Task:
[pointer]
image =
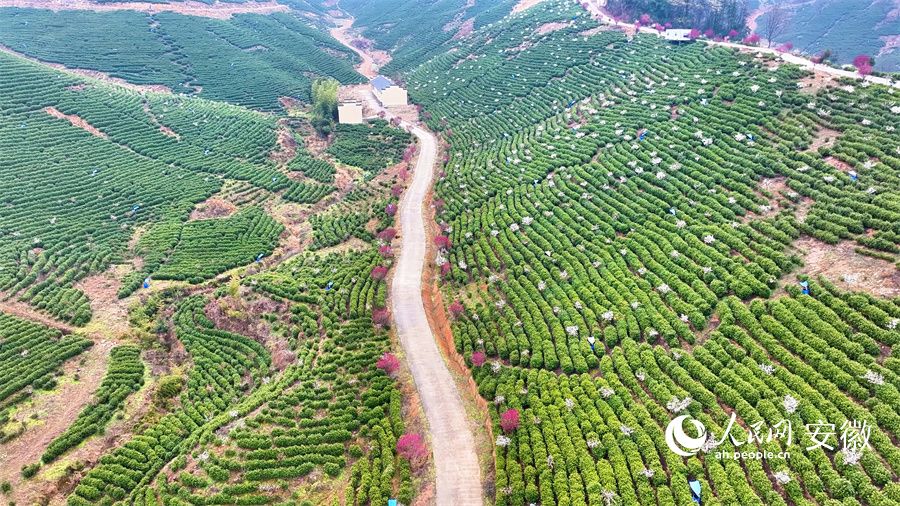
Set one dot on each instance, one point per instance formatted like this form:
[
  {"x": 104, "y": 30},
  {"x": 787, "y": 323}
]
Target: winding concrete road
[
  {"x": 457, "y": 472},
  {"x": 453, "y": 444}
]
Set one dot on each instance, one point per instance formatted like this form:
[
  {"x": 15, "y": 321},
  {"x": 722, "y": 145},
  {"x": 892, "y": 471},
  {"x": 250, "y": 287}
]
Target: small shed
[
  {"x": 677, "y": 35},
  {"x": 387, "y": 92},
  {"x": 350, "y": 113}
]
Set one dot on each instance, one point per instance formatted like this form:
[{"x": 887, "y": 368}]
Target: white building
[
  {"x": 388, "y": 93},
  {"x": 677, "y": 35},
  {"x": 350, "y": 113}
]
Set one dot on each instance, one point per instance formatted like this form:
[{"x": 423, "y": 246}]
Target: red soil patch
[
  {"x": 838, "y": 164},
  {"x": 814, "y": 82},
  {"x": 803, "y": 209},
  {"x": 217, "y": 10},
  {"x": 213, "y": 208},
  {"x": 344, "y": 179},
  {"x": 162, "y": 128},
  {"x": 524, "y": 5},
  {"x": 465, "y": 29},
  {"x": 546, "y": 28},
  {"x": 109, "y": 317},
  {"x": 372, "y": 59},
  {"x": 241, "y": 315},
  {"x": 286, "y": 146},
  {"x": 824, "y": 137},
  {"x": 778, "y": 188},
  {"x": 843, "y": 266},
  {"x": 75, "y": 121},
  {"x": 27, "y": 312},
  {"x": 289, "y": 103},
  {"x": 593, "y": 31}
]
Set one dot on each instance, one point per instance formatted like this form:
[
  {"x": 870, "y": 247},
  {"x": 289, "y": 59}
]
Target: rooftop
[{"x": 381, "y": 83}]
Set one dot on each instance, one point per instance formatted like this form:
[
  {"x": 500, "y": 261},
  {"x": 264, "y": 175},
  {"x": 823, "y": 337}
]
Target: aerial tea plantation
[
  {"x": 623, "y": 234},
  {"x": 620, "y": 217},
  {"x": 250, "y": 59}
]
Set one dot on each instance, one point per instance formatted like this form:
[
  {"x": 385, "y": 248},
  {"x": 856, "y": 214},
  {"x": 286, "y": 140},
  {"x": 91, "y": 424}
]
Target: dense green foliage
[
  {"x": 312, "y": 167},
  {"x": 124, "y": 376},
  {"x": 615, "y": 190},
  {"x": 335, "y": 228},
  {"x": 372, "y": 146},
  {"x": 253, "y": 417},
  {"x": 201, "y": 249},
  {"x": 413, "y": 31},
  {"x": 30, "y": 357},
  {"x": 324, "y": 104},
  {"x": 719, "y": 16},
  {"x": 820, "y": 347},
  {"x": 71, "y": 200},
  {"x": 250, "y": 59}
]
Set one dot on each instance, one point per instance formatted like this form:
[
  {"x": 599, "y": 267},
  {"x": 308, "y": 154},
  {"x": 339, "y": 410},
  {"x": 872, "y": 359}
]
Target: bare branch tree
[{"x": 775, "y": 22}]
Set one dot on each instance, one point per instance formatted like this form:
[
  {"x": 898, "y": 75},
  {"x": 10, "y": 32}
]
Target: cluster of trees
[
  {"x": 124, "y": 376},
  {"x": 324, "y": 104},
  {"x": 720, "y": 17}
]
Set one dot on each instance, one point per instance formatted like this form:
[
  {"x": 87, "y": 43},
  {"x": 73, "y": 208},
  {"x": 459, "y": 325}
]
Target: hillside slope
[
  {"x": 847, "y": 27},
  {"x": 249, "y": 59},
  {"x": 622, "y": 220}
]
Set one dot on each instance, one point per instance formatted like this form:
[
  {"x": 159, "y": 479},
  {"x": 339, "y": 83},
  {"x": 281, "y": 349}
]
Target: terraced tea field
[
  {"x": 587, "y": 267},
  {"x": 612, "y": 207}
]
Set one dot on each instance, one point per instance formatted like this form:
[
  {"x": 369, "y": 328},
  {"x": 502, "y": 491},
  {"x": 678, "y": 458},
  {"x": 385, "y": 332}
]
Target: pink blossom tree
[
  {"x": 695, "y": 34},
  {"x": 509, "y": 420},
  {"x": 442, "y": 242},
  {"x": 479, "y": 358},
  {"x": 644, "y": 19},
  {"x": 387, "y": 235},
  {"x": 390, "y": 209},
  {"x": 732, "y": 34},
  {"x": 785, "y": 48},
  {"x": 385, "y": 251},
  {"x": 381, "y": 317},
  {"x": 396, "y": 190},
  {"x": 379, "y": 272},
  {"x": 863, "y": 64},
  {"x": 388, "y": 363},
  {"x": 445, "y": 269},
  {"x": 412, "y": 448},
  {"x": 752, "y": 39},
  {"x": 456, "y": 309}
]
